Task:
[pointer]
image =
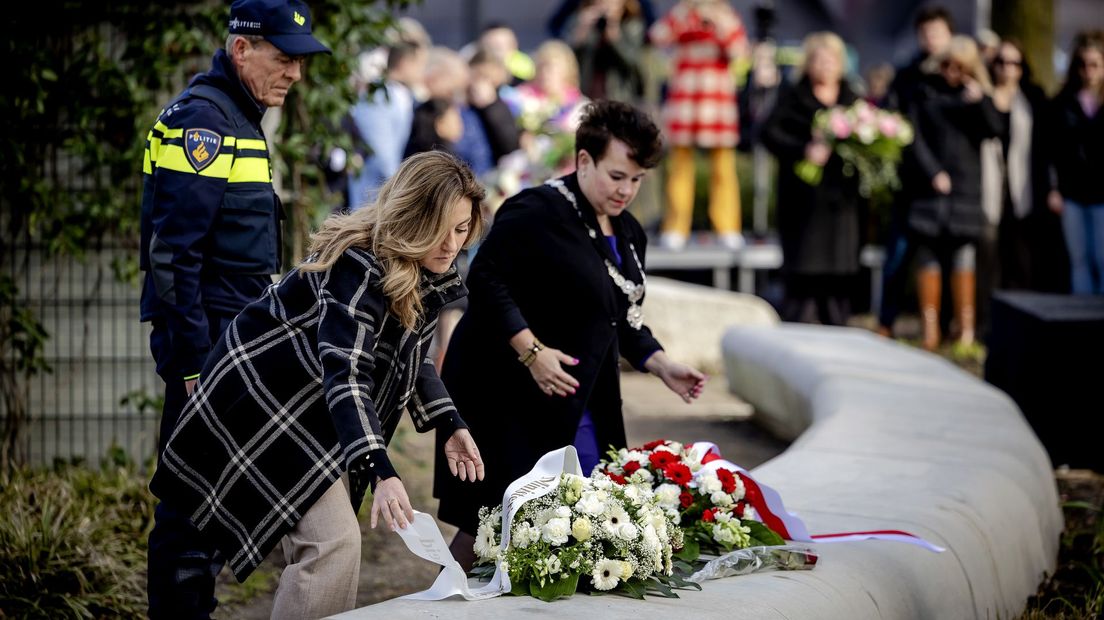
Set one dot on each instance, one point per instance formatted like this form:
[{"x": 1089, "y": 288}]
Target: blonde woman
[
  {"x": 310, "y": 381},
  {"x": 818, "y": 225},
  {"x": 952, "y": 118},
  {"x": 554, "y": 90}
]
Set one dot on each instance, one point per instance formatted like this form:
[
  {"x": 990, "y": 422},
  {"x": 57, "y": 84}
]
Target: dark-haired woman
[
  {"x": 1079, "y": 160},
  {"x": 555, "y": 300}
]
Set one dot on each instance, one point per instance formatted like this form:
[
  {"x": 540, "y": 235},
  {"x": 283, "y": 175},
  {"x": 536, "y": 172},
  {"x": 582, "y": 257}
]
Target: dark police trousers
[{"x": 182, "y": 564}]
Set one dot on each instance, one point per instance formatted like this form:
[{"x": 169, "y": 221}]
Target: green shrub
[{"x": 73, "y": 543}]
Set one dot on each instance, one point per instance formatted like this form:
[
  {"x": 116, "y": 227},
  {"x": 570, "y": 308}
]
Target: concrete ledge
[
  {"x": 887, "y": 438},
  {"x": 890, "y": 437}
]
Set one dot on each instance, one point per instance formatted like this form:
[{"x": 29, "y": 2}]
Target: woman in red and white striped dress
[{"x": 700, "y": 112}]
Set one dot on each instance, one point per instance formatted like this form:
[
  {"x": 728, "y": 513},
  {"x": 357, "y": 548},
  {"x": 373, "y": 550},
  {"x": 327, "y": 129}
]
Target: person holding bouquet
[
  {"x": 309, "y": 382},
  {"x": 946, "y": 220},
  {"x": 556, "y": 294},
  {"x": 818, "y": 224}
]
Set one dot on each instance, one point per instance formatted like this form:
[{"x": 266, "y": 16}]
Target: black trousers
[{"x": 182, "y": 564}]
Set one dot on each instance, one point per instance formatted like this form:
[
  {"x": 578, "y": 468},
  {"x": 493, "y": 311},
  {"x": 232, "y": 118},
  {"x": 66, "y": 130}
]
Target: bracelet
[{"x": 530, "y": 354}]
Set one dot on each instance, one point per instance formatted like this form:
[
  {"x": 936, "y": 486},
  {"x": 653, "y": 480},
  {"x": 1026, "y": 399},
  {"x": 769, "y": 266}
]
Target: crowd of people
[
  {"x": 281, "y": 396},
  {"x": 996, "y": 189}
]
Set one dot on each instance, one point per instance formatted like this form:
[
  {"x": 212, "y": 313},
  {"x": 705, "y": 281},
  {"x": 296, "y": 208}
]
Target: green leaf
[
  {"x": 555, "y": 588},
  {"x": 690, "y": 551},
  {"x": 761, "y": 535}
]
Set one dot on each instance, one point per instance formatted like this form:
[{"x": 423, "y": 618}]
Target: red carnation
[
  {"x": 630, "y": 467},
  {"x": 728, "y": 480},
  {"x": 652, "y": 445},
  {"x": 707, "y": 516},
  {"x": 619, "y": 479},
  {"x": 685, "y": 498},
  {"x": 678, "y": 473},
  {"x": 661, "y": 459}
]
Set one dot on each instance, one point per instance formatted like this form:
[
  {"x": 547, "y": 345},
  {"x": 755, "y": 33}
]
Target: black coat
[
  {"x": 1079, "y": 152},
  {"x": 309, "y": 378},
  {"x": 949, "y": 133},
  {"x": 817, "y": 225},
  {"x": 539, "y": 269}
]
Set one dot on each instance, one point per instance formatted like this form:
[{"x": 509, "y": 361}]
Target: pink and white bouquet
[{"x": 868, "y": 139}]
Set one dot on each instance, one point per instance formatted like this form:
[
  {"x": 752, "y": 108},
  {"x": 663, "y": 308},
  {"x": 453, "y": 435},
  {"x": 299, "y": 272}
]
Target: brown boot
[
  {"x": 964, "y": 292},
  {"x": 929, "y": 284}
]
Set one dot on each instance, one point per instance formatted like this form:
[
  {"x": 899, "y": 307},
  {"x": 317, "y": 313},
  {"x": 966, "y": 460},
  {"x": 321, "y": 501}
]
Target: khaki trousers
[
  {"x": 323, "y": 560},
  {"x": 724, "y": 191}
]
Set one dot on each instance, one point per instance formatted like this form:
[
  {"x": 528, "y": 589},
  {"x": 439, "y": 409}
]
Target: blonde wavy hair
[
  {"x": 409, "y": 219},
  {"x": 964, "y": 52},
  {"x": 823, "y": 40}
]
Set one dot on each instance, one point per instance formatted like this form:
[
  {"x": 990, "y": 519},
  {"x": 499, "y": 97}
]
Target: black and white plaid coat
[{"x": 309, "y": 378}]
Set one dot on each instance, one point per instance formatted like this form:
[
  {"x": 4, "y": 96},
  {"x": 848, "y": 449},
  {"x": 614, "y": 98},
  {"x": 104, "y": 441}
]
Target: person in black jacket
[
  {"x": 311, "y": 380},
  {"x": 1079, "y": 160},
  {"x": 945, "y": 218},
  {"x": 1031, "y": 251},
  {"x": 934, "y": 28},
  {"x": 818, "y": 225},
  {"x": 556, "y": 294}
]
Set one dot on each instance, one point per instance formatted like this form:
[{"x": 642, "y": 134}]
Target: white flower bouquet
[{"x": 587, "y": 534}]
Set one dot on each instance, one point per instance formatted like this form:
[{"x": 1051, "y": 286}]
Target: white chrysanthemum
[
  {"x": 722, "y": 499},
  {"x": 485, "y": 545},
  {"x": 722, "y": 517},
  {"x": 709, "y": 484},
  {"x": 562, "y": 512},
  {"x": 606, "y": 574},
  {"x": 642, "y": 476},
  {"x": 525, "y": 535},
  {"x": 602, "y": 483},
  {"x": 555, "y": 532},
  {"x": 581, "y": 528},
  {"x": 592, "y": 503},
  {"x": 667, "y": 495}
]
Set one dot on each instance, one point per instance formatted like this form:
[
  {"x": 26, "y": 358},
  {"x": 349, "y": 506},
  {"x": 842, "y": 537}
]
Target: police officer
[{"x": 210, "y": 242}]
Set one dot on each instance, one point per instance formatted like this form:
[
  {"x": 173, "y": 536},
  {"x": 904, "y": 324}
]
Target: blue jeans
[{"x": 1083, "y": 226}]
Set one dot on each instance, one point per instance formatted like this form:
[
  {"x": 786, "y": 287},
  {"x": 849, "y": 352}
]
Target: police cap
[{"x": 283, "y": 23}]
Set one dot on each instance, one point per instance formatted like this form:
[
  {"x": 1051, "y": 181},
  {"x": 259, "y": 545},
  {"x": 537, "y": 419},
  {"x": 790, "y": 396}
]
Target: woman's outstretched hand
[
  {"x": 463, "y": 456},
  {"x": 390, "y": 502},
  {"x": 686, "y": 381}
]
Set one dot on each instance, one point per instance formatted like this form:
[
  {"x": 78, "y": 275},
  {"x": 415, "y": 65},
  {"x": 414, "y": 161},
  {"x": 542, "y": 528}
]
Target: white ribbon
[{"x": 424, "y": 538}]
